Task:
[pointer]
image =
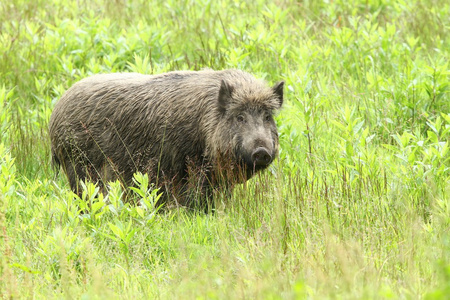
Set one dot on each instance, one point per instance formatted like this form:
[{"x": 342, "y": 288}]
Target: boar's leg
[{"x": 74, "y": 173}]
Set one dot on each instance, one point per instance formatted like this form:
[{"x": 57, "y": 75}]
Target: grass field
[{"x": 356, "y": 207}]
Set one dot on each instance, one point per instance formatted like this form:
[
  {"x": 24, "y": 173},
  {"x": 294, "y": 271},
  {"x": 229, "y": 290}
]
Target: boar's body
[{"x": 170, "y": 126}]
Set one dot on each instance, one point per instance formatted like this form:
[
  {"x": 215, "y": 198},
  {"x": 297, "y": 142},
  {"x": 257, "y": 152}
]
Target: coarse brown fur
[{"x": 172, "y": 126}]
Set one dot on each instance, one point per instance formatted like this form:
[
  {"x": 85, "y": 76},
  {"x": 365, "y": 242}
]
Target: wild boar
[{"x": 191, "y": 131}]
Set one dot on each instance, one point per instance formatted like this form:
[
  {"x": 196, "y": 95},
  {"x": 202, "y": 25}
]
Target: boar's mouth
[
  {"x": 255, "y": 161},
  {"x": 261, "y": 157}
]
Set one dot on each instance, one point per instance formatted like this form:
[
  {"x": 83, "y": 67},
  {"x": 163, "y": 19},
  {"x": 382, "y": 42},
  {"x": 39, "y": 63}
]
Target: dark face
[
  {"x": 251, "y": 129},
  {"x": 254, "y": 138}
]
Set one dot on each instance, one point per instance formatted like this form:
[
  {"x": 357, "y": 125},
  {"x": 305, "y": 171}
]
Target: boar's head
[{"x": 247, "y": 129}]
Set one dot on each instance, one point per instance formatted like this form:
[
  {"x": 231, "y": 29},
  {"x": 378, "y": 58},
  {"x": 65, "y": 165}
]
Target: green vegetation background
[{"x": 357, "y": 206}]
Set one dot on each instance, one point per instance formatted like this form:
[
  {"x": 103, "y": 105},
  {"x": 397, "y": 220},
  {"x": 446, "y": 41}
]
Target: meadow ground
[{"x": 356, "y": 207}]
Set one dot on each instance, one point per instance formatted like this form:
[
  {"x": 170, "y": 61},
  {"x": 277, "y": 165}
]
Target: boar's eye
[
  {"x": 240, "y": 119},
  {"x": 268, "y": 118}
]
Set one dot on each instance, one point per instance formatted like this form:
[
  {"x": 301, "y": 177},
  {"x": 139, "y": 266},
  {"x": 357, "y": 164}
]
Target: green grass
[{"x": 356, "y": 207}]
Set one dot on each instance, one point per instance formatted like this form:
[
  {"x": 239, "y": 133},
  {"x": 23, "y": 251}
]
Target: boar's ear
[
  {"x": 278, "y": 91},
  {"x": 225, "y": 92}
]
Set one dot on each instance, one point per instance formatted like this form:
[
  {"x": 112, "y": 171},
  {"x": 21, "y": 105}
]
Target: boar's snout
[{"x": 261, "y": 157}]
